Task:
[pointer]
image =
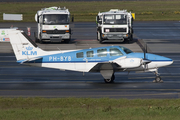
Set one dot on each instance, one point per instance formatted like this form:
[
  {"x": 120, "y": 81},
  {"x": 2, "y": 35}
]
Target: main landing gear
[
  {"x": 110, "y": 80},
  {"x": 108, "y": 75},
  {"x": 157, "y": 78}
]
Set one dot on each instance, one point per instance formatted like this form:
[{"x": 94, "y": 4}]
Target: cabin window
[
  {"x": 127, "y": 51},
  {"x": 80, "y": 55},
  {"x": 115, "y": 52},
  {"x": 102, "y": 52},
  {"x": 90, "y": 53}
]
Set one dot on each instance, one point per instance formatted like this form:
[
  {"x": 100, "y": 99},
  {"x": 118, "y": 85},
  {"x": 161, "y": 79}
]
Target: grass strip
[
  {"x": 87, "y": 11},
  {"x": 88, "y": 108}
]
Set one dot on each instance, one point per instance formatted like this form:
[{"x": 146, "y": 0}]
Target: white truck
[
  {"x": 114, "y": 25},
  {"x": 53, "y": 25}
]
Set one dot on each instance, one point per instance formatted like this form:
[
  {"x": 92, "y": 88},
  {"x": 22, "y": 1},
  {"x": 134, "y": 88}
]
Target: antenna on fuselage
[{"x": 58, "y": 49}]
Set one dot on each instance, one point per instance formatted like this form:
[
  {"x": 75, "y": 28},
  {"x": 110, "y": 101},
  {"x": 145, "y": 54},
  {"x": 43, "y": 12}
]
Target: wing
[
  {"x": 119, "y": 64},
  {"x": 106, "y": 66}
]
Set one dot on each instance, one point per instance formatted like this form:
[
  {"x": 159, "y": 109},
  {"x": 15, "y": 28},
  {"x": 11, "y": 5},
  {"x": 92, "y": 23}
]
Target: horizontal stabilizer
[{"x": 30, "y": 60}]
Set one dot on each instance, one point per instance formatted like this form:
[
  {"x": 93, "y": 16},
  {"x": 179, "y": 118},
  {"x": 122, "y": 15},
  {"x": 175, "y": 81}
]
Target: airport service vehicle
[
  {"x": 114, "y": 25},
  {"x": 105, "y": 60},
  {"x": 53, "y": 25}
]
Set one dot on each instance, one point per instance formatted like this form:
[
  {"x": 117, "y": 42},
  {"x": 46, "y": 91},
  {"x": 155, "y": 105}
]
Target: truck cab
[
  {"x": 53, "y": 25},
  {"x": 114, "y": 25}
]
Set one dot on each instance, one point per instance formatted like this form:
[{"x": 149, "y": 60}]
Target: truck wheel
[
  {"x": 101, "y": 40},
  {"x": 40, "y": 41},
  {"x": 131, "y": 38},
  {"x": 36, "y": 40},
  {"x": 67, "y": 41},
  {"x": 98, "y": 36}
]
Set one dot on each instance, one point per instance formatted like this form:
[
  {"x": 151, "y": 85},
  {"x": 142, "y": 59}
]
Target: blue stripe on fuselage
[{"x": 70, "y": 57}]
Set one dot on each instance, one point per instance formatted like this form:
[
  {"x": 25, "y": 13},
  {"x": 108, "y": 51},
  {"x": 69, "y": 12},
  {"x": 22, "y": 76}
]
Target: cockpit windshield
[
  {"x": 52, "y": 19},
  {"x": 115, "y": 19},
  {"x": 126, "y": 50}
]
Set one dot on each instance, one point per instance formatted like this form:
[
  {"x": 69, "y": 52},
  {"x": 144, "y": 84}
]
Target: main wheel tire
[{"x": 108, "y": 80}]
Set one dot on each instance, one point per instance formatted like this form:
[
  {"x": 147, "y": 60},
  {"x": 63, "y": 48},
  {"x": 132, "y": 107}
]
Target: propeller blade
[
  {"x": 145, "y": 61},
  {"x": 145, "y": 50}
]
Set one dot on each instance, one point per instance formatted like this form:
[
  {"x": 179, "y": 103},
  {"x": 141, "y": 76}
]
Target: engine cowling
[{"x": 129, "y": 62}]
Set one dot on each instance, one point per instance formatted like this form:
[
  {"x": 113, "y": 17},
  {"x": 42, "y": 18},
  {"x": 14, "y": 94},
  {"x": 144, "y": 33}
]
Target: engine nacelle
[{"x": 129, "y": 62}]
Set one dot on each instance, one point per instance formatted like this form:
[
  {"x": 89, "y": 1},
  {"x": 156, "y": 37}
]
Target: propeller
[{"x": 145, "y": 61}]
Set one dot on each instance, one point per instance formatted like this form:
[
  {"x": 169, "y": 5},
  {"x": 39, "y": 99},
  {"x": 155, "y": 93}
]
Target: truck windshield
[
  {"x": 115, "y": 19},
  {"x": 52, "y": 19}
]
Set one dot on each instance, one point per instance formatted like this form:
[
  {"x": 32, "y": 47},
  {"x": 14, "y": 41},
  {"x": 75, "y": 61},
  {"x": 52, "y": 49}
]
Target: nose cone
[
  {"x": 162, "y": 61},
  {"x": 168, "y": 61}
]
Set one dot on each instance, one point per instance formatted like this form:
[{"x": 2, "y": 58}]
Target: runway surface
[{"x": 18, "y": 80}]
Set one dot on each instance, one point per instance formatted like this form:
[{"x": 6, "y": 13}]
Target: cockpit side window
[
  {"x": 102, "y": 52},
  {"x": 80, "y": 55},
  {"x": 127, "y": 51},
  {"x": 90, "y": 53},
  {"x": 115, "y": 52}
]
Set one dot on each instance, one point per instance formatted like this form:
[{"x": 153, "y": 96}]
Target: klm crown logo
[
  {"x": 29, "y": 48},
  {"x": 29, "y": 51}
]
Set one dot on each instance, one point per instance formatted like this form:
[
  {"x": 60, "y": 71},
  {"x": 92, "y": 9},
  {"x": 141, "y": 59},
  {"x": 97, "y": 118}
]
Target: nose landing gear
[{"x": 157, "y": 78}]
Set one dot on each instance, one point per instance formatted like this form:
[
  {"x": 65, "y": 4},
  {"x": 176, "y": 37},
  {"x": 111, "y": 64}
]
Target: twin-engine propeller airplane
[{"x": 106, "y": 60}]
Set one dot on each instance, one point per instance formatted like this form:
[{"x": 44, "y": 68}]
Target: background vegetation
[
  {"x": 86, "y": 11},
  {"x": 88, "y": 109}
]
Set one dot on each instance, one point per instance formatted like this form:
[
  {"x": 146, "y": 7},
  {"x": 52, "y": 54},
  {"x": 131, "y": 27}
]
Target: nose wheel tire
[{"x": 158, "y": 80}]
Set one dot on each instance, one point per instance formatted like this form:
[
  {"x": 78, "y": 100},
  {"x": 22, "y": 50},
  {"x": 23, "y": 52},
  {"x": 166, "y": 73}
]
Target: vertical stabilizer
[{"x": 24, "y": 48}]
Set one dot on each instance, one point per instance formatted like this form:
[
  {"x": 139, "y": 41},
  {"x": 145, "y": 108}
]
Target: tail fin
[{"x": 24, "y": 48}]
